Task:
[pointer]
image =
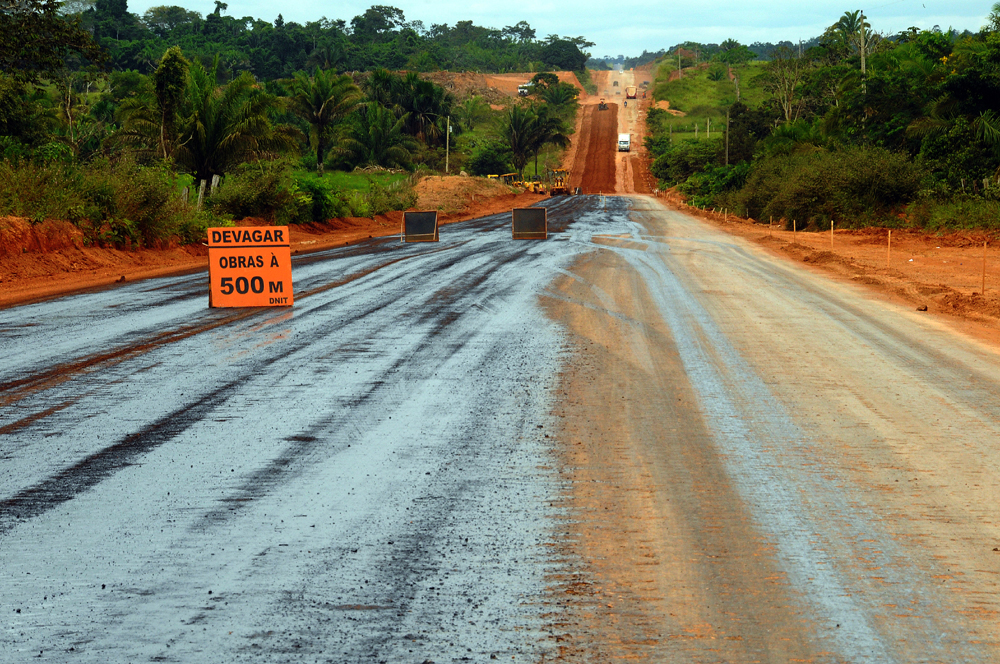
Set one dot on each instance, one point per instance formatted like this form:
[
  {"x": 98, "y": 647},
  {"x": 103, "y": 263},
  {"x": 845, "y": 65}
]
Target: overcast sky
[{"x": 629, "y": 26}]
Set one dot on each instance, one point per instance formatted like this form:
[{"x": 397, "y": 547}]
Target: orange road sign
[
  {"x": 249, "y": 267},
  {"x": 529, "y": 223}
]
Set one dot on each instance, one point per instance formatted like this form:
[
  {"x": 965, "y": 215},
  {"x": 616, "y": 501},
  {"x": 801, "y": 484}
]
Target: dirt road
[
  {"x": 596, "y": 165},
  {"x": 766, "y": 466}
]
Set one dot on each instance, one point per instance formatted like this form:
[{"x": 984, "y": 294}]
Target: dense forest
[
  {"x": 380, "y": 37},
  {"x": 858, "y": 128},
  {"x": 140, "y": 129}
]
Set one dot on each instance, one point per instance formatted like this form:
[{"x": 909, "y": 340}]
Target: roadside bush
[
  {"x": 707, "y": 187},
  {"x": 395, "y": 196},
  {"x": 44, "y": 191},
  {"x": 858, "y": 185},
  {"x": 957, "y": 214},
  {"x": 264, "y": 189},
  {"x": 490, "y": 159},
  {"x": 682, "y": 159},
  {"x": 113, "y": 202},
  {"x": 141, "y": 204}
]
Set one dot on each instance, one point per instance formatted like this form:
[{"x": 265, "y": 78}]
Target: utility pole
[
  {"x": 447, "y": 145},
  {"x": 863, "y": 70}
]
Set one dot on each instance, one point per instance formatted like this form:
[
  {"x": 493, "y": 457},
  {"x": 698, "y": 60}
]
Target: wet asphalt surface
[
  {"x": 374, "y": 475},
  {"x": 363, "y": 477}
]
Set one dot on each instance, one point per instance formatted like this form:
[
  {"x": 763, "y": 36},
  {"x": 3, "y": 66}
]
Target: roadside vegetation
[
  {"x": 145, "y": 130},
  {"x": 908, "y": 135}
]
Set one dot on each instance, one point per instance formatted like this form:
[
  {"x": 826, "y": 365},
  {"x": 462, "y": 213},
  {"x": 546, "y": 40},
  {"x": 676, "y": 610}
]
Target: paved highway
[{"x": 641, "y": 438}]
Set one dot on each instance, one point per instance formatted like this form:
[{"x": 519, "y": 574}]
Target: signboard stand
[
  {"x": 529, "y": 223},
  {"x": 419, "y": 226},
  {"x": 249, "y": 267}
]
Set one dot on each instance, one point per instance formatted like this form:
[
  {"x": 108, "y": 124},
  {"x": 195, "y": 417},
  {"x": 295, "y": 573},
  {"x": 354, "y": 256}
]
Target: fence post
[{"x": 984, "y": 268}]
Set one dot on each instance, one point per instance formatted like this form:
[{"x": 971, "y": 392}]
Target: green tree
[
  {"x": 543, "y": 81},
  {"x": 560, "y": 94},
  {"x": 516, "y": 127},
  {"x": 169, "y": 82},
  {"x": 163, "y": 19},
  {"x": 737, "y": 55},
  {"x": 563, "y": 54},
  {"x": 425, "y": 107},
  {"x": 324, "y": 101},
  {"x": 37, "y": 38},
  {"x": 472, "y": 111},
  {"x": 782, "y": 77},
  {"x": 224, "y": 127},
  {"x": 546, "y": 129},
  {"x": 526, "y": 130},
  {"x": 376, "y": 138}
]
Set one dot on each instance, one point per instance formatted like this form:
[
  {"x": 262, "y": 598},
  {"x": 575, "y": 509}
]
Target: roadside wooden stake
[
  {"x": 725, "y": 215},
  {"x": 795, "y": 229},
  {"x": 983, "y": 291}
]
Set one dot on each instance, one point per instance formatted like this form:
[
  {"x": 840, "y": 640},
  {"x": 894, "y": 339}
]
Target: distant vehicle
[
  {"x": 630, "y": 92},
  {"x": 624, "y": 142},
  {"x": 603, "y": 105},
  {"x": 524, "y": 90}
]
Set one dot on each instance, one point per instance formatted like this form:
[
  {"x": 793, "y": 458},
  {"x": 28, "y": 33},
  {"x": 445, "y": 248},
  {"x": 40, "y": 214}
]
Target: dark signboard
[
  {"x": 420, "y": 226},
  {"x": 529, "y": 223}
]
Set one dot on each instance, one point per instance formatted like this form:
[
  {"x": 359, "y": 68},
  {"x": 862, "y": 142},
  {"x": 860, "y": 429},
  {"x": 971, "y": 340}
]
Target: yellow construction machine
[
  {"x": 560, "y": 182},
  {"x": 512, "y": 180},
  {"x": 536, "y": 186}
]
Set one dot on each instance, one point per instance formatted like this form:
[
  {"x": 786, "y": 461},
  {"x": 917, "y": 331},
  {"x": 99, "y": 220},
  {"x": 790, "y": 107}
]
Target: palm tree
[
  {"x": 424, "y": 104},
  {"x": 849, "y": 25},
  {"x": 527, "y": 130},
  {"x": 324, "y": 101},
  {"x": 382, "y": 86},
  {"x": 472, "y": 110},
  {"x": 546, "y": 129},
  {"x": 224, "y": 127},
  {"x": 559, "y": 95},
  {"x": 376, "y": 138},
  {"x": 516, "y": 130}
]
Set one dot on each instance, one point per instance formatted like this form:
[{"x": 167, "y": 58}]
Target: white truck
[{"x": 624, "y": 142}]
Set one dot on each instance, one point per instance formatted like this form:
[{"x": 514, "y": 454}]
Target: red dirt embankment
[
  {"x": 496, "y": 89},
  {"x": 49, "y": 259}
]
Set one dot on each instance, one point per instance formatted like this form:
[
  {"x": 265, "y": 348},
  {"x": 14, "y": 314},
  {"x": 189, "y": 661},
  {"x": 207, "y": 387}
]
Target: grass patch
[
  {"x": 699, "y": 96},
  {"x": 351, "y": 181},
  {"x": 586, "y": 81}
]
